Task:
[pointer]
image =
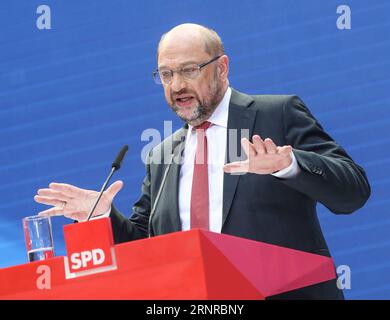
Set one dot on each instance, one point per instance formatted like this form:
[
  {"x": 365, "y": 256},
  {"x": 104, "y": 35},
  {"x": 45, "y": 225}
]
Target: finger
[
  {"x": 270, "y": 146},
  {"x": 53, "y": 194},
  {"x": 51, "y": 212},
  {"x": 236, "y": 167},
  {"x": 48, "y": 201},
  {"x": 76, "y": 215},
  {"x": 114, "y": 189},
  {"x": 285, "y": 150},
  {"x": 67, "y": 189},
  {"x": 259, "y": 144},
  {"x": 248, "y": 147}
]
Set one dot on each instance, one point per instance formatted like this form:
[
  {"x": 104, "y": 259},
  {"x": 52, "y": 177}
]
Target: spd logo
[
  {"x": 90, "y": 248},
  {"x": 83, "y": 259}
]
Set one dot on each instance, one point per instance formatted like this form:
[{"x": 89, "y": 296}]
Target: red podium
[{"x": 192, "y": 265}]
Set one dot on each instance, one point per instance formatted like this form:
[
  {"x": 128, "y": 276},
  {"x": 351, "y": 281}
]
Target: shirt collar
[{"x": 220, "y": 114}]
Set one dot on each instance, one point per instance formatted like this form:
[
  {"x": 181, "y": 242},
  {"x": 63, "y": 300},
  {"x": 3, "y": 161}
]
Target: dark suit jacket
[{"x": 260, "y": 207}]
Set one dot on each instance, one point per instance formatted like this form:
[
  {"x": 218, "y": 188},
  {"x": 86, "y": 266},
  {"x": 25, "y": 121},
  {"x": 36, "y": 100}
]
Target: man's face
[{"x": 193, "y": 100}]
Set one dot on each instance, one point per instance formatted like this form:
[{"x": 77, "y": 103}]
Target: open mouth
[{"x": 184, "y": 101}]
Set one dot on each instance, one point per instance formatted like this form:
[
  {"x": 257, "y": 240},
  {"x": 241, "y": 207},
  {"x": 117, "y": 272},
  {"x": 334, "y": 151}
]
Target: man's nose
[{"x": 178, "y": 83}]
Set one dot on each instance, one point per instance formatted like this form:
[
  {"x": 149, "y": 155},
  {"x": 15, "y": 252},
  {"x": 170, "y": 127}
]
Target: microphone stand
[
  {"x": 115, "y": 166},
  {"x": 101, "y": 193},
  {"x": 159, "y": 194}
]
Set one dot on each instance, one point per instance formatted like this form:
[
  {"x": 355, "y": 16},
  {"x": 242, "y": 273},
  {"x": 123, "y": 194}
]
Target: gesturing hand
[
  {"x": 263, "y": 157},
  {"x": 73, "y": 202}
]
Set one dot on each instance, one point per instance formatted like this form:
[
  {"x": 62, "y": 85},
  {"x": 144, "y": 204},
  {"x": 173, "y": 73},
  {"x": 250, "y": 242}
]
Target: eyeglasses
[{"x": 189, "y": 72}]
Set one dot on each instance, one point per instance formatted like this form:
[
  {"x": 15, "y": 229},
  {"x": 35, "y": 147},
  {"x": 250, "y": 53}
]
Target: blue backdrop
[{"x": 71, "y": 96}]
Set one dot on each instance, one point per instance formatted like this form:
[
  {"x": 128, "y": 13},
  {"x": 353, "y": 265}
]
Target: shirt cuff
[
  {"x": 104, "y": 215},
  {"x": 291, "y": 171}
]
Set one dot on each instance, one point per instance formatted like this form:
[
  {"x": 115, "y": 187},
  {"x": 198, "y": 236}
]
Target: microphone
[
  {"x": 115, "y": 166},
  {"x": 118, "y": 160}
]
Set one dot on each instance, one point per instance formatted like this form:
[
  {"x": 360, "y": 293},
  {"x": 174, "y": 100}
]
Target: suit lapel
[
  {"x": 240, "y": 117},
  {"x": 172, "y": 193}
]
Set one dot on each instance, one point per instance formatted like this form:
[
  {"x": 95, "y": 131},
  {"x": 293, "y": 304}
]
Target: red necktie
[{"x": 200, "y": 181}]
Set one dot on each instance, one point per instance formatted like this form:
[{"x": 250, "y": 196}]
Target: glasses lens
[
  {"x": 190, "y": 72},
  {"x": 165, "y": 76}
]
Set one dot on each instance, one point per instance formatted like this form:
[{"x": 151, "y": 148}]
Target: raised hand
[
  {"x": 263, "y": 157},
  {"x": 73, "y": 202}
]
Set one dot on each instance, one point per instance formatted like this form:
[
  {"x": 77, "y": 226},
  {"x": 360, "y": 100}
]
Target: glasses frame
[{"x": 156, "y": 74}]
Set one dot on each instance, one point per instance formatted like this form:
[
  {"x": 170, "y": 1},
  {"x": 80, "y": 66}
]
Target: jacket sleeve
[
  {"x": 328, "y": 174},
  {"x": 136, "y": 227}
]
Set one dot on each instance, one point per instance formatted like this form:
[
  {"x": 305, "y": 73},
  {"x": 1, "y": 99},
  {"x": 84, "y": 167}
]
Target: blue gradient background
[{"x": 70, "y": 97}]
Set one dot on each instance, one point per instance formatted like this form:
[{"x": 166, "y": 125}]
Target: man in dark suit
[{"x": 218, "y": 173}]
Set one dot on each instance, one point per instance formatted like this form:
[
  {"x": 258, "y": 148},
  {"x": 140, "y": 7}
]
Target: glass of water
[{"x": 39, "y": 238}]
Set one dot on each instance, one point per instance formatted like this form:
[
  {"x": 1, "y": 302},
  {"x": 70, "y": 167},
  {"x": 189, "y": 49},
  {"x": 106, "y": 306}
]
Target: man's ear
[{"x": 223, "y": 67}]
